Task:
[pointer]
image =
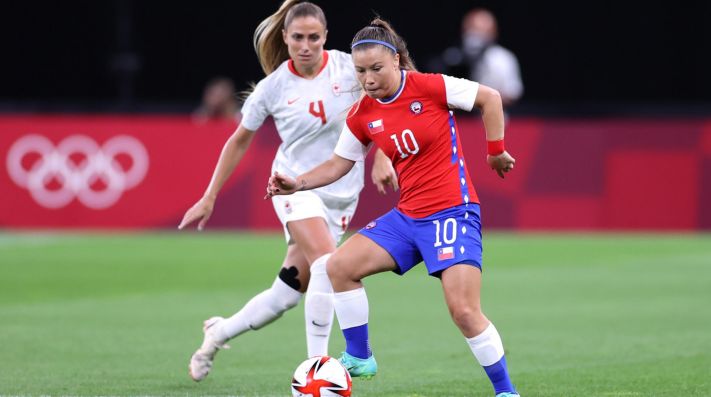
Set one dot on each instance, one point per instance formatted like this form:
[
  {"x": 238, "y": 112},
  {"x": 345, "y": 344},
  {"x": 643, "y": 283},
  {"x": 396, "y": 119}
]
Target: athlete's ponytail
[
  {"x": 268, "y": 39},
  {"x": 381, "y": 31}
]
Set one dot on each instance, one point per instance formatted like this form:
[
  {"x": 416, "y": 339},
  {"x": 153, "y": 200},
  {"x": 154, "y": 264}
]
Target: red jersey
[{"x": 417, "y": 130}]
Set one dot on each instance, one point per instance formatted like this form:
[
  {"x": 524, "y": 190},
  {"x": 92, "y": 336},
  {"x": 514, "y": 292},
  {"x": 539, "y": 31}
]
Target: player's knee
[
  {"x": 290, "y": 276},
  {"x": 338, "y": 269},
  {"x": 318, "y": 267},
  {"x": 467, "y": 317}
]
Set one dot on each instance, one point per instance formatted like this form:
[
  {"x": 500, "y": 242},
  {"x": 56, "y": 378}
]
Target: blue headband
[{"x": 385, "y": 43}]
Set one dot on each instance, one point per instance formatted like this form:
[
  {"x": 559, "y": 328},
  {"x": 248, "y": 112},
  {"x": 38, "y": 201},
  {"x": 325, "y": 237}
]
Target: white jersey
[{"x": 309, "y": 117}]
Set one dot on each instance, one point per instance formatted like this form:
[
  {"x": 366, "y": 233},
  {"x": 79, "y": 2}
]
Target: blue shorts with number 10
[{"x": 442, "y": 240}]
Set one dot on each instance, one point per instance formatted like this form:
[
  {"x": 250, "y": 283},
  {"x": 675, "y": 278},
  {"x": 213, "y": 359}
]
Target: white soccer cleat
[{"x": 201, "y": 361}]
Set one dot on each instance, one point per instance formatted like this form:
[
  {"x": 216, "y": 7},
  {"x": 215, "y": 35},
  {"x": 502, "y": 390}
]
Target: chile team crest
[{"x": 416, "y": 107}]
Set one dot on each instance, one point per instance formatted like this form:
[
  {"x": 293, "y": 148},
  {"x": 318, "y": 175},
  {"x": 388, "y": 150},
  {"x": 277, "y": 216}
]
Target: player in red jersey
[{"x": 408, "y": 115}]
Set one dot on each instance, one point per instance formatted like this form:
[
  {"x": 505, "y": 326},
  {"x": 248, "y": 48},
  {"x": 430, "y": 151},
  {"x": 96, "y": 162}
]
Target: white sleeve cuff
[
  {"x": 461, "y": 93},
  {"x": 349, "y": 147}
]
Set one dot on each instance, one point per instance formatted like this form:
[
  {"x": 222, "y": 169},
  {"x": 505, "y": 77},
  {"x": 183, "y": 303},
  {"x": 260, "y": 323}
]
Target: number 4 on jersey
[{"x": 320, "y": 112}]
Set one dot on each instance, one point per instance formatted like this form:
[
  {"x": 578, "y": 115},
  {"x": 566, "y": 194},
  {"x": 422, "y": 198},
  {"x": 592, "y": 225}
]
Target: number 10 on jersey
[{"x": 408, "y": 142}]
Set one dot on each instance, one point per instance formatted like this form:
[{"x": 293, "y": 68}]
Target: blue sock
[
  {"x": 357, "y": 344},
  {"x": 499, "y": 376}
]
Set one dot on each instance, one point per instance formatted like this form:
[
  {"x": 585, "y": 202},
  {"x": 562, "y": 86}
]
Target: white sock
[
  {"x": 318, "y": 309},
  {"x": 487, "y": 346},
  {"x": 351, "y": 308},
  {"x": 261, "y": 310}
]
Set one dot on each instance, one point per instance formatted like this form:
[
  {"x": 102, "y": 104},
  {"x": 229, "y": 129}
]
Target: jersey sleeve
[
  {"x": 349, "y": 147},
  {"x": 461, "y": 93},
  {"x": 254, "y": 110}
]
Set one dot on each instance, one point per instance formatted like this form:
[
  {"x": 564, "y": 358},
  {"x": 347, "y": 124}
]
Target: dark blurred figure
[
  {"x": 219, "y": 101},
  {"x": 480, "y": 58}
]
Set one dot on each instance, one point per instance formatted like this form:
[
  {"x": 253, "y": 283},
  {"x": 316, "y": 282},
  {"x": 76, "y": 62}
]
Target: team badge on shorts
[
  {"x": 336, "y": 89},
  {"x": 288, "y": 208},
  {"x": 370, "y": 225},
  {"x": 416, "y": 107}
]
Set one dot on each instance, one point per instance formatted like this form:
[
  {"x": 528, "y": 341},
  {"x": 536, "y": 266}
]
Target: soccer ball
[{"x": 321, "y": 376}]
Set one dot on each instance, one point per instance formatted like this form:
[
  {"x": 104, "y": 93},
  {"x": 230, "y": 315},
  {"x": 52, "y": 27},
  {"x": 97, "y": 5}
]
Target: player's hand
[
  {"x": 280, "y": 184},
  {"x": 200, "y": 211},
  {"x": 383, "y": 175},
  {"x": 501, "y": 163}
]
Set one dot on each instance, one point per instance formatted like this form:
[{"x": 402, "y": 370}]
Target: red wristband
[{"x": 495, "y": 148}]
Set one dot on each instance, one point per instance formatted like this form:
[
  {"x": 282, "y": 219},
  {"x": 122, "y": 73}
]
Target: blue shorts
[{"x": 442, "y": 240}]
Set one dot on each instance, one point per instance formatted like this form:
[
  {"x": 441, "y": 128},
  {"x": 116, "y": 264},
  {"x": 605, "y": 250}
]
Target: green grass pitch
[{"x": 580, "y": 315}]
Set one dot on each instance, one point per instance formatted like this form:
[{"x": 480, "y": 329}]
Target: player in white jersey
[
  {"x": 308, "y": 92},
  {"x": 309, "y": 115}
]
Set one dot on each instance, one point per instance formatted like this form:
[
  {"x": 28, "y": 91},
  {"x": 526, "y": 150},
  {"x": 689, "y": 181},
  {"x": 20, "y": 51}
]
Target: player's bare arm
[
  {"x": 232, "y": 153},
  {"x": 324, "y": 174},
  {"x": 488, "y": 100}
]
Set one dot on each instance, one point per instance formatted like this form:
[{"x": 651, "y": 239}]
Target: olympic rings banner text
[{"x": 74, "y": 171}]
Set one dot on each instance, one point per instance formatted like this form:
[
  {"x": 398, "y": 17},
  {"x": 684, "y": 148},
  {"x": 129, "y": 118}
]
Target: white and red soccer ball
[{"x": 321, "y": 376}]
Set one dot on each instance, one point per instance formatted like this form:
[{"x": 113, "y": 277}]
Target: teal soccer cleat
[
  {"x": 359, "y": 367},
  {"x": 507, "y": 394}
]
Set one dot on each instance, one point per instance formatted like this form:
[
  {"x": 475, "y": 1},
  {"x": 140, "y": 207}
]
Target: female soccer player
[
  {"x": 308, "y": 92},
  {"x": 407, "y": 115}
]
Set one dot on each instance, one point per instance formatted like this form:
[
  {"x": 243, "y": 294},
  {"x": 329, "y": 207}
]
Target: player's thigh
[
  {"x": 295, "y": 269},
  {"x": 312, "y": 237},
  {"x": 462, "y": 286},
  {"x": 307, "y": 223},
  {"x": 393, "y": 232},
  {"x": 359, "y": 257}
]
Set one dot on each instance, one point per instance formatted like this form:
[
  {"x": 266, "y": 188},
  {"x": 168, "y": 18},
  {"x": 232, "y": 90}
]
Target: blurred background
[{"x": 611, "y": 122}]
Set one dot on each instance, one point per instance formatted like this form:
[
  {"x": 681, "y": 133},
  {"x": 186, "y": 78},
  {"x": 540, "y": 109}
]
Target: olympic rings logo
[{"x": 77, "y": 165}]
